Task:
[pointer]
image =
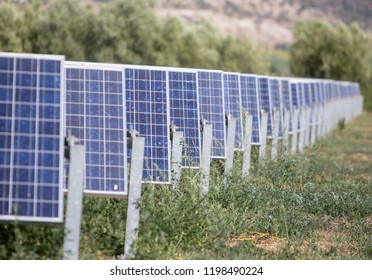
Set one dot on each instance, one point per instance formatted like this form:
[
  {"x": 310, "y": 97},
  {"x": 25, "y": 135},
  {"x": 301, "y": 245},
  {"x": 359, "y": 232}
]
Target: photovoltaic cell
[
  {"x": 250, "y": 103},
  {"x": 31, "y": 138},
  {"x": 95, "y": 114},
  {"x": 212, "y": 108},
  {"x": 147, "y": 107},
  {"x": 264, "y": 101},
  {"x": 233, "y": 105},
  {"x": 184, "y": 112}
]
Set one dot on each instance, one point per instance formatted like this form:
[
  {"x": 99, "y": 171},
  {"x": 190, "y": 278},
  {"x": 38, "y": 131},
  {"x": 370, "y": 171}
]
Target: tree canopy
[
  {"x": 124, "y": 31},
  {"x": 323, "y": 50}
]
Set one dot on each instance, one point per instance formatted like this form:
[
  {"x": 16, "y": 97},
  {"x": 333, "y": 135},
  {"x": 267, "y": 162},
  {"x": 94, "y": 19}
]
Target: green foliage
[
  {"x": 123, "y": 31},
  {"x": 322, "y": 50}
]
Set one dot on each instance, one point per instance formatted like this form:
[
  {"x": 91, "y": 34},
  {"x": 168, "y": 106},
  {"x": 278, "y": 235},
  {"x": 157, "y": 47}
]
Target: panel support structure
[
  {"x": 314, "y": 126},
  {"x": 205, "y": 163},
  {"x": 295, "y": 131},
  {"x": 231, "y": 129},
  {"x": 262, "y": 150},
  {"x": 274, "y": 142},
  {"x": 285, "y": 132},
  {"x": 134, "y": 193},
  {"x": 177, "y": 144},
  {"x": 301, "y": 137},
  {"x": 74, "y": 200},
  {"x": 248, "y": 127}
]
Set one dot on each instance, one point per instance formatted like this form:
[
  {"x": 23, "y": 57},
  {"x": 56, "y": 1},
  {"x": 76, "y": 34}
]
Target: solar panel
[
  {"x": 275, "y": 101},
  {"x": 301, "y": 95},
  {"x": 31, "y": 138},
  {"x": 307, "y": 94},
  {"x": 314, "y": 102},
  {"x": 184, "y": 112},
  {"x": 264, "y": 100},
  {"x": 250, "y": 103},
  {"x": 287, "y": 100},
  {"x": 95, "y": 114},
  {"x": 231, "y": 85},
  {"x": 212, "y": 108},
  {"x": 147, "y": 107},
  {"x": 295, "y": 99}
]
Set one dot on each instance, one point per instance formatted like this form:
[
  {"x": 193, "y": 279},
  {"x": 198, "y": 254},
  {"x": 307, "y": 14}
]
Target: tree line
[
  {"x": 124, "y": 31},
  {"x": 129, "y": 31}
]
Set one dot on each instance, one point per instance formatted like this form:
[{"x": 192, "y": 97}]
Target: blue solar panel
[
  {"x": 301, "y": 96},
  {"x": 294, "y": 95},
  {"x": 231, "y": 85},
  {"x": 264, "y": 101},
  {"x": 295, "y": 86},
  {"x": 275, "y": 101},
  {"x": 212, "y": 108},
  {"x": 184, "y": 112},
  {"x": 31, "y": 138},
  {"x": 95, "y": 114},
  {"x": 307, "y": 94},
  {"x": 147, "y": 106},
  {"x": 314, "y": 93},
  {"x": 287, "y": 100},
  {"x": 250, "y": 103}
]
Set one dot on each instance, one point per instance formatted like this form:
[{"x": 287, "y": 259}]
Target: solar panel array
[
  {"x": 184, "y": 113},
  {"x": 233, "y": 107},
  {"x": 95, "y": 114},
  {"x": 31, "y": 138},
  {"x": 147, "y": 107},
  {"x": 250, "y": 103},
  {"x": 105, "y": 101},
  {"x": 212, "y": 108}
]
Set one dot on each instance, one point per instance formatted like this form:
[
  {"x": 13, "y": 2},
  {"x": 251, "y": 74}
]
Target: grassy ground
[{"x": 314, "y": 206}]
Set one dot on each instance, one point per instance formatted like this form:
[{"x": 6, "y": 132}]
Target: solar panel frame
[
  {"x": 178, "y": 116},
  {"x": 233, "y": 105},
  {"x": 250, "y": 104},
  {"x": 99, "y": 92},
  {"x": 47, "y": 155},
  {"x": 212, "y": 108},
  {"x": 156, "y": 170}
]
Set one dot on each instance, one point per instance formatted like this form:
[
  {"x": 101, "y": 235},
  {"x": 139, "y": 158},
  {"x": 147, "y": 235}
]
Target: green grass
[{"x": 313, "y": 206}]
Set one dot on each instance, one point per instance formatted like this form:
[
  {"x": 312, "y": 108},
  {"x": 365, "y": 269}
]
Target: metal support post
[
  {"x": 248, "y": 127},
  {"x": 74, "y": 200},
  {"x": 231, "y": 128},
  {"x": 177, "y": 145},
  {"x": 134, "y": 193},
  {"x": 205, "y": 163},
  {"x": 285, "y": 132},
  {"x": 302, "y": 131},
  {"x": 295, "y": 131},
  {"x": 262, "y": 150},
  {"x": 314, "y": 126},
  {"x": 274, "y": 142}
]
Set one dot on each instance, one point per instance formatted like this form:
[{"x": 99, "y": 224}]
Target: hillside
[{"x": 269, "y": 22}]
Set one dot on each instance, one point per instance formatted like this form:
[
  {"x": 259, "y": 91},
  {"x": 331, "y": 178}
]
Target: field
[{"x": 313, "y": 206}]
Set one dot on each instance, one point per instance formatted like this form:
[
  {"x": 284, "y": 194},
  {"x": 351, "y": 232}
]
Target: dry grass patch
[{"x": 262, "y": 240}]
